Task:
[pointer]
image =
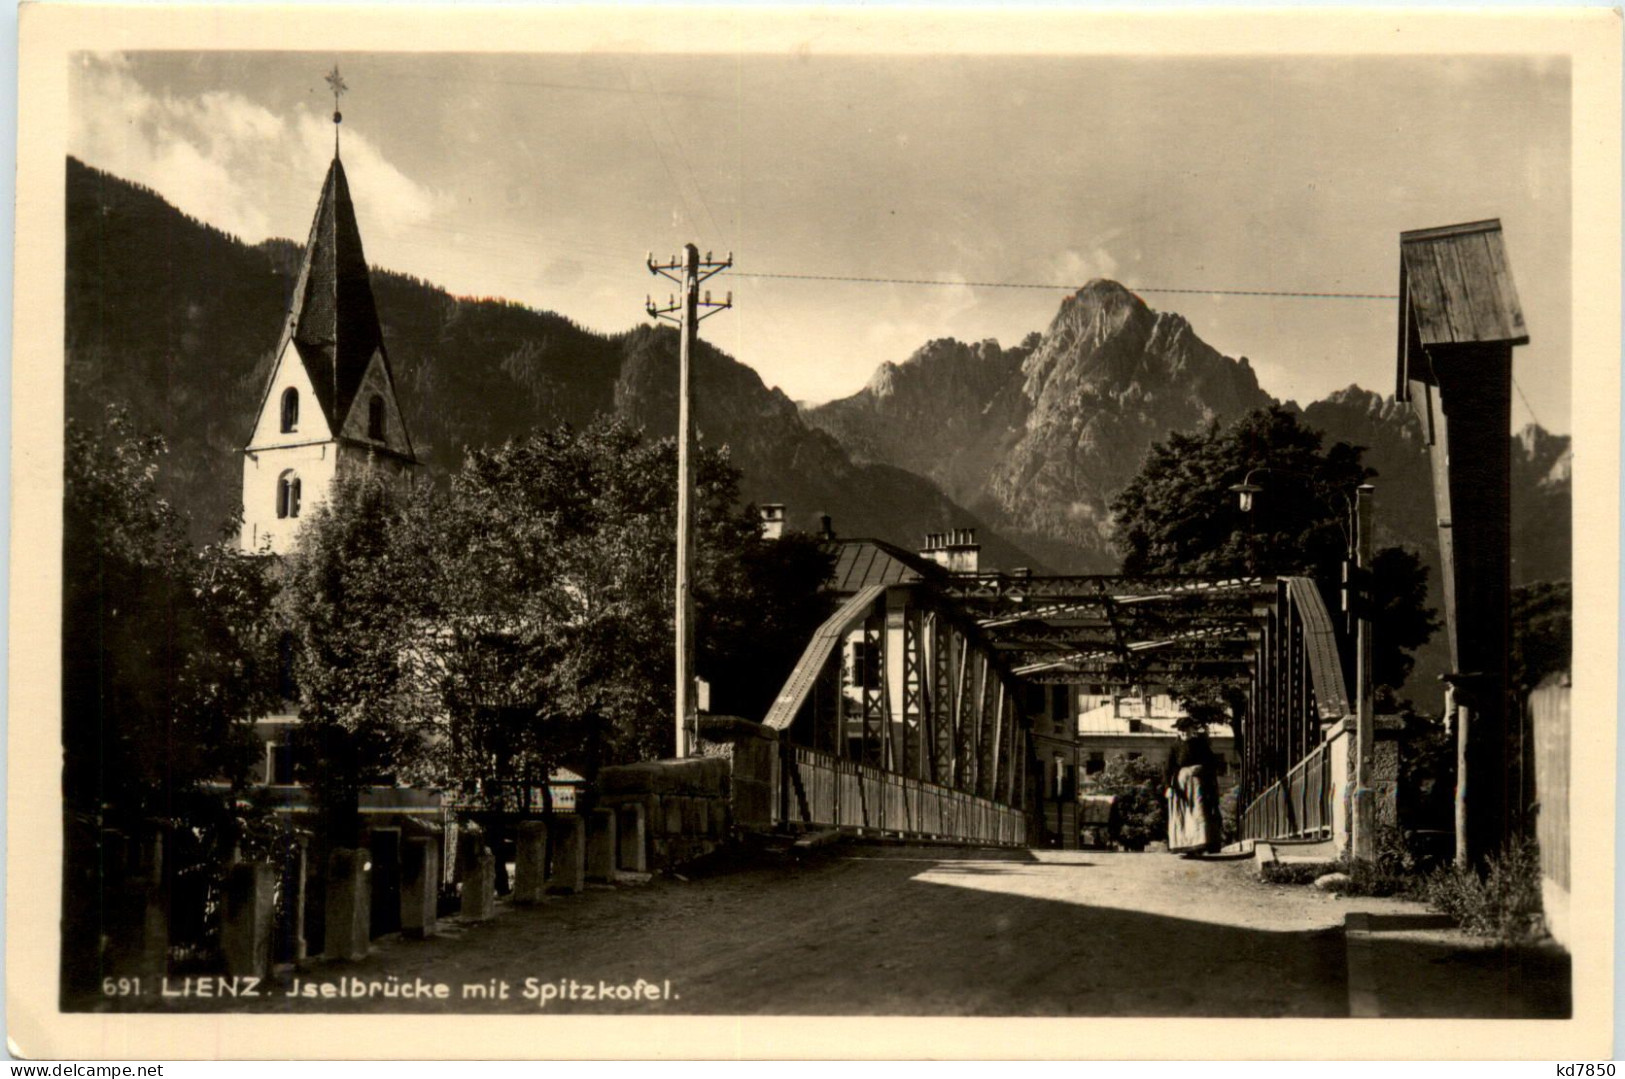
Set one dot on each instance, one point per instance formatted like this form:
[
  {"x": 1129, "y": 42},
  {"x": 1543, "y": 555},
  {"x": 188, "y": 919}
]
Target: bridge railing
[
  {"x": 1298, "y": 806},
  {"x": 821, "y": 790}
]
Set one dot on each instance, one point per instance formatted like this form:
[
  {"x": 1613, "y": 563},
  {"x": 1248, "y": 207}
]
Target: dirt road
[{"x": 870, "y": 930}]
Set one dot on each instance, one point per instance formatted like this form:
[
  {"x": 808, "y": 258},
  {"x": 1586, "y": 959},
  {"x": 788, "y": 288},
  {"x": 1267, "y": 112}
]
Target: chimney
[
  {"x": 962, "y": 554},
  {"x": 826, "y": 528},
  {"x": 772, "y": 520},
  {"x": 934, "y": 550},
  {"x": 955, "y": 550}
]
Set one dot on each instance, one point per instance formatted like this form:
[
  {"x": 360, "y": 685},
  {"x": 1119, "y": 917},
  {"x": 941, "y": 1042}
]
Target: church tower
[{"x": 330, "y": 404}]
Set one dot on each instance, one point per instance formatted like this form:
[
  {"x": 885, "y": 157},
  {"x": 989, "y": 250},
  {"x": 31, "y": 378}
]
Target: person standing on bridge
[{"x": 1193, "y": 796}]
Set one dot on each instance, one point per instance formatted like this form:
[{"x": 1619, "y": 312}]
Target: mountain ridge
[{"x": 176, "y": 321}]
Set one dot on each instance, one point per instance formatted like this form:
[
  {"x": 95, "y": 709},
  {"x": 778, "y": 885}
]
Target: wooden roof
[
  {"x": 332, "y": 319},
  {"x": 1456, "y": 286}
]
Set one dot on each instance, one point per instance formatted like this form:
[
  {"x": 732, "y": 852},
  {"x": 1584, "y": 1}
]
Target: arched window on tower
[
  {"x": 287, "y": 494},
  {"x": 290, "y": 410},
  {"x": 375, "y": 418}
]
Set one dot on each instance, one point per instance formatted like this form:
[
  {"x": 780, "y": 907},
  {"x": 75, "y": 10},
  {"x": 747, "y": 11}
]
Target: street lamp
[
  {"x": 1356, "y": 601},
  {"x": 1246, "y": 490}
]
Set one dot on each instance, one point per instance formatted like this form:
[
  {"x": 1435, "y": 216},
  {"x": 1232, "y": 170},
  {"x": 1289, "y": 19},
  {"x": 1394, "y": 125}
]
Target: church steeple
[
  {"x": 330, "y": 403},
  {"x": 333, "y": 320}
]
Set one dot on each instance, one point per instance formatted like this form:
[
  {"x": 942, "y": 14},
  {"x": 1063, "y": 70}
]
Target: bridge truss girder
[
  {"x": 897, "y": 679},
  {"x": 923, "y": 680}
]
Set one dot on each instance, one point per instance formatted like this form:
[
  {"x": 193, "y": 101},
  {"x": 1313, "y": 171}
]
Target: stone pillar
[
  {"x": 245, "y": 928},
  {"x": 349, "y": 902},
  {"x": 420, "y": 885},
  {"x": 530, "y": 866},
  {"x": 297, "y": 893},
  {"x": 1344, "y": 749},
  {"x": 569, "y": 855},
  {"x": 470, "y": 842},
  {"x": 479, "y": 900},
  {"x": 634, "y": 853},
  {"x": 753, "y": 786},
  {"x": 1384, "y": 782},
  {"x": 601, "y": 834},
  {"x": 384, "y": 847},
  {"x": 136, "y": 924}
]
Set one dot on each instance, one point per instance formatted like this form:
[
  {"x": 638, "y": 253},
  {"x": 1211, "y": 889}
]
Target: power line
[
  {"x": 608, "y": 256},
  {"x": 1525, "y": 401},
  {"x": 1567, "y": 450},
  {"x": 1074, "y": 288}
]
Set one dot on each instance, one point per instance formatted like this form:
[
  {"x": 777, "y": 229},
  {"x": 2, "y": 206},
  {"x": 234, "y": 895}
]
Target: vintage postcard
[{"x": 813, "y": 532}]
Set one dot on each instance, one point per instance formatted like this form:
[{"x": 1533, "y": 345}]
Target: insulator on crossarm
[{"x": 729, "y": 302}]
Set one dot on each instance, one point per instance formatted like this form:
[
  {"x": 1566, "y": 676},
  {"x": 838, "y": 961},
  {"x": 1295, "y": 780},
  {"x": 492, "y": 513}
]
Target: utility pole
[{"x": 693, "y": 271}]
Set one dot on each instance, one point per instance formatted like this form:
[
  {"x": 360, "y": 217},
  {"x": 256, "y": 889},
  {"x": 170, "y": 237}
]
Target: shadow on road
[{"x": 910, "y": 933}]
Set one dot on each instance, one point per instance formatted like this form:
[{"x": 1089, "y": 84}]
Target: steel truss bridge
[{"x": 908, "y": 712}]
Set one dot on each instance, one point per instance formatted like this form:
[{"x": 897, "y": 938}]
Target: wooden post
[
  {"x": 1359, "y": 598},
  {"x": 1459, "y": 321}
]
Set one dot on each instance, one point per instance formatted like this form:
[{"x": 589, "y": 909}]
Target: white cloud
[
  {"x": 233, "y": 163},
  {"x": 1073, "y": 267}
]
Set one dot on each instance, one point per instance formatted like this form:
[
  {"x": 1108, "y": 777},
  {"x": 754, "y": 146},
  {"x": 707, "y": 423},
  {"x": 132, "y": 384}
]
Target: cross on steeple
[{"x": 335, "y": 82}]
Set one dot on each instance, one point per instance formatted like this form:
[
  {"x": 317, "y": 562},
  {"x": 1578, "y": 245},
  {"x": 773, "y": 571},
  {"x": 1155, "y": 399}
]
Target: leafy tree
[
  {"x": 482, "y": 636},
  {"x": 1401, "y": 620},
  {"x": 552, "y": 591},
  {"x": 1542, "y": 632},
  {"x": 1141, "y": 810},
  {"x": 167, "y": 657},
  {"x": 352, "y": 605},
  {"x": 166, "y": 653},
  {"x": 757, "y": 614},
  {"x": 1178, "y": 515}
]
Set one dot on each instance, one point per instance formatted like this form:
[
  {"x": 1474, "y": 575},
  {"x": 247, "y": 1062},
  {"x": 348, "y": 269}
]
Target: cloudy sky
[{"x": 546, "y": 178}]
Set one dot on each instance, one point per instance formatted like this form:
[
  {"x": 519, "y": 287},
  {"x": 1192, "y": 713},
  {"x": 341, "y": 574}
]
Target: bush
[
  {"x": 1504, "y": 904},
  {"x": 1141, "y": 811},
  {"x": 1399, "y": 868},
  {"x": 1230, "y": 810},
  {"x": 1296, "y": 872}
]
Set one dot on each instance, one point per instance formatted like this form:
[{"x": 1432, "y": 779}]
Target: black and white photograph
[{"x": 821, "y": 517}]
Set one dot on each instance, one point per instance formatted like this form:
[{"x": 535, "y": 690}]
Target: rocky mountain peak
[
  {"x": 883, "y": 383},
  {"x": 1041, "y": 435},
  {"x": 1546, "y": 456},
  {"x": 1356, "y": 400}
]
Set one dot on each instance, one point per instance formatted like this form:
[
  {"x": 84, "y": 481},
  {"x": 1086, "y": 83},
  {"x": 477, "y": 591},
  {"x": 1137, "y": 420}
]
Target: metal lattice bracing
[
  {"x": 943, "y": 641},
  {"x": 1297, "y": 688},
  {"x": 922, "y": 679},
  {"x": 1119, "y": 631},
  {"x": 897, "y": 680},
  {"x": 913, "y": 699},
  {"x": 872, "y": 686}
]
